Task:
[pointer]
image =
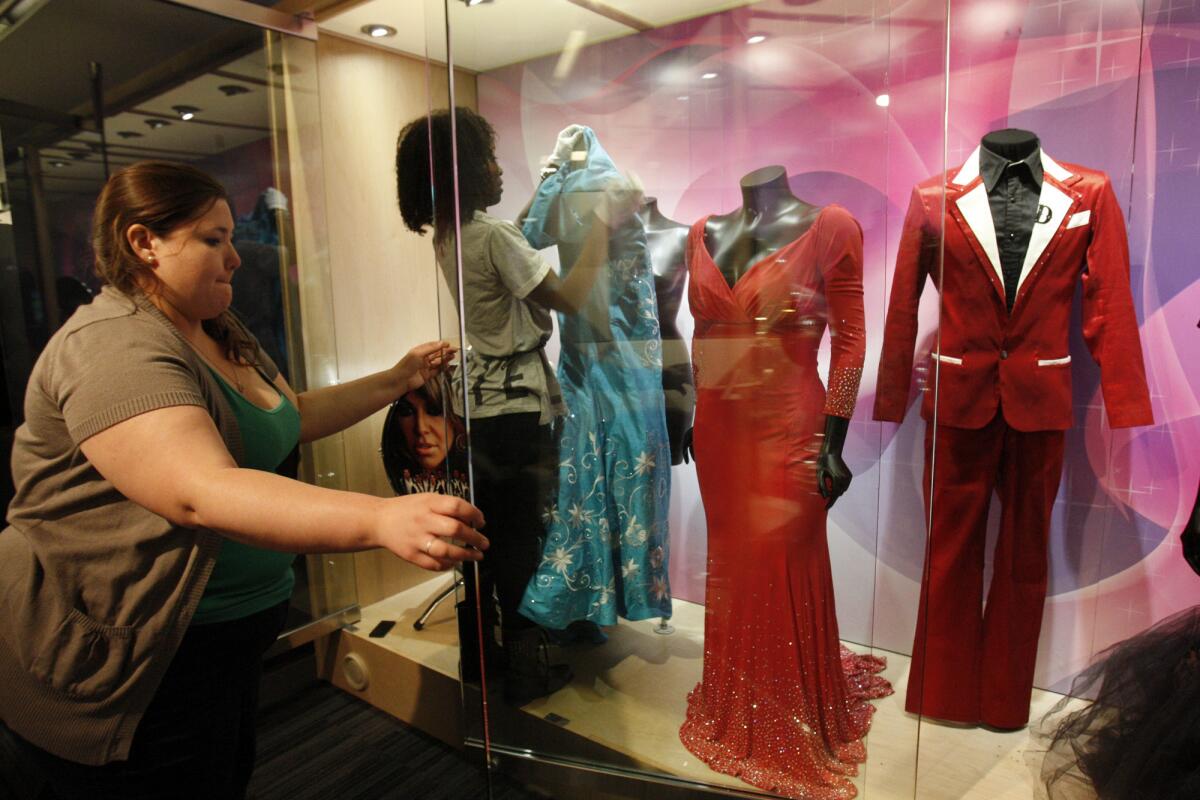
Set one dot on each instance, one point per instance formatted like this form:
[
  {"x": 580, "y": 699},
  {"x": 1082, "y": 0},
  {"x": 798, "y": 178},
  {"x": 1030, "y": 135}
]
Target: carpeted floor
[{"x": 321, "y": 743}]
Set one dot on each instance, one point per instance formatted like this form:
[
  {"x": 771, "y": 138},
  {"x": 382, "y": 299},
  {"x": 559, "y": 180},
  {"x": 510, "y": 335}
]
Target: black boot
[{"x": 528, "y": 671}]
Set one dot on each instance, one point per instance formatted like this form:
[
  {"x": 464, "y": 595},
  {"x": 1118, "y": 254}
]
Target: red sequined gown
[{"x": 781, "y": 704}]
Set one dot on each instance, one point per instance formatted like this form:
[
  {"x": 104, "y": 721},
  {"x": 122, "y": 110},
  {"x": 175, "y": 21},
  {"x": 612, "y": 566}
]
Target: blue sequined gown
[{"x": 605, "y": 546}]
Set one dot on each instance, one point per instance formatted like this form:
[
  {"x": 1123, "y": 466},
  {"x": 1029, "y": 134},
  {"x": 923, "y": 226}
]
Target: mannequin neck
[
  {"x": 765, "y": 193},
  {"x": 1011, "y": 144},
  {"x": 653, "y": 218},
  {"x": 650, "y": 215}
]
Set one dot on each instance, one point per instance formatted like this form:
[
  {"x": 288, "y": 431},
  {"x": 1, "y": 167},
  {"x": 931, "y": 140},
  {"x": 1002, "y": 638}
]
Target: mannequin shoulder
[{"x": 837, "y": 222}]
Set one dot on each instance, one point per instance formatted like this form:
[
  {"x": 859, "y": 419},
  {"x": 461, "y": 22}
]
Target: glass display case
[
  {"x": 823, "y": 376},
  {"x": 703, "y": 581},
  {"x": 867, "y": 429}
]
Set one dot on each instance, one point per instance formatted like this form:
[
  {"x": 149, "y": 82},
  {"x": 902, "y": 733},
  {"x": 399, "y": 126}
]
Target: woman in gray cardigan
[{"x": 147, "y": 562}]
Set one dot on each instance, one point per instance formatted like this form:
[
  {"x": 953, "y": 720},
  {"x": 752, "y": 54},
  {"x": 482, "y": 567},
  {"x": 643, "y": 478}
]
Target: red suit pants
[{"x": 974, "y": 663}]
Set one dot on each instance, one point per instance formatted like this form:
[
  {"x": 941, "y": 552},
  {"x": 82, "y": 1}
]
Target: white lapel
[
  {"x": 968, "y": 171},
  {"x": 978, "y": 212},
  {"x": 1059, "y": 203}
]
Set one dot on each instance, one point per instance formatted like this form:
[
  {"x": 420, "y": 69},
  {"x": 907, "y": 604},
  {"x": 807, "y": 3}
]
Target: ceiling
[
  {"x": 181, "y": 57},
  {"x": 497, "y": 33}
]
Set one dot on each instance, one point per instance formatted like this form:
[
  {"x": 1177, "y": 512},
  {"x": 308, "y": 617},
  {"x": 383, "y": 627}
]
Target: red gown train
[{"x": 781, "y": 704}]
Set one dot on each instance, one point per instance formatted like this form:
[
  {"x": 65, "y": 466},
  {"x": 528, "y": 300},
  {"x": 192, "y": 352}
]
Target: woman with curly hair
[{"x": 509, "y": 293}]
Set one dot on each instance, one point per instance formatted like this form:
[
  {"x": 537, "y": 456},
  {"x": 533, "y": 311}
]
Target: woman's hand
[
  {"x": 422, "y": 364},
  {"x": 430, "y": 530}
]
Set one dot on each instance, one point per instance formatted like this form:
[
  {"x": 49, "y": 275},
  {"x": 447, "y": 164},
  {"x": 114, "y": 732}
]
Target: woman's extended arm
[
  {"x": 331, "y": 409},
  {"x": 173, "y": 462}
]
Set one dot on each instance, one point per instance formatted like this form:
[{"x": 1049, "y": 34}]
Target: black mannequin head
[{"x": 1012, "y": 144}]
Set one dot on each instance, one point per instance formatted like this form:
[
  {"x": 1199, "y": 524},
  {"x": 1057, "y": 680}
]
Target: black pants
[
  {"x": 197, "y": 737},
  {"x": 515, "y": 462}
]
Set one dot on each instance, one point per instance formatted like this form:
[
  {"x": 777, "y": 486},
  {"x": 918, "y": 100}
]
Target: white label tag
[{"x": 1079, "y": 220}]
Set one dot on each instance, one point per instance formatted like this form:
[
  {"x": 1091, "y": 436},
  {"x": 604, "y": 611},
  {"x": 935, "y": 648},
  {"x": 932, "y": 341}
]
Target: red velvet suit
[{"x": 1003, "y": 399}]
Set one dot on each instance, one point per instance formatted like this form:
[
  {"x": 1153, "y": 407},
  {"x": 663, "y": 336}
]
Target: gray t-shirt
[{"x": 507, "y": 368}]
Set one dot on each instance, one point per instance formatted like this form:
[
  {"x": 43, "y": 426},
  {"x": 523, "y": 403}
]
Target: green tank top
[{"x": 246, "y": 579}]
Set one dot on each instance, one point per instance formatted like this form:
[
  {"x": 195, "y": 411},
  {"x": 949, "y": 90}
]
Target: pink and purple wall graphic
[{"x": 854, "y": 99}]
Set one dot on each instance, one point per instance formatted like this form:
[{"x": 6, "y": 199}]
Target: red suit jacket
[{"x": 987, "y": 358}]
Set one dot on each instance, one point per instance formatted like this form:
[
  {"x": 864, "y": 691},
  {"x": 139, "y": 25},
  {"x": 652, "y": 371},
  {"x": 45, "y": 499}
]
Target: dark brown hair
[
  {"x": 426, "y": 194},
  {"x": 163, "y": 196}
]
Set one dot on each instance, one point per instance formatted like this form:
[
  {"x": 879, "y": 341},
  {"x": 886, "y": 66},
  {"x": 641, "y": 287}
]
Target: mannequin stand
[{"x": 449, "y": 590}]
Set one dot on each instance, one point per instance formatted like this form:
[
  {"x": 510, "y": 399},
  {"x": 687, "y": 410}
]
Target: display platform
[{"x": 629, "y": 696}]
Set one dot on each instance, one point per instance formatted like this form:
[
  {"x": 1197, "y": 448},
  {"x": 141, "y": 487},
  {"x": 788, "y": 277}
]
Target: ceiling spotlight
[
  {"x": 185, "y": 112},
  {"x": 233, "y": 89},
  {"x": 883, "y": 101},
  {"x": 756, "y": 38},
  {"x": 59, "y": 163},
  {"x": 378, "y": 31},
  {"x": 155, "y": 123},
  {"x": 470, "y": 3},
  {"x": 708, "y": 76},
  {"x": 129, "y": 134}
]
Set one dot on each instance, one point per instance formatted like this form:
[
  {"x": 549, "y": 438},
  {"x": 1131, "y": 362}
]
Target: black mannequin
[
  {"x": 1191, "y": 537},
  {"x": 770, "y": 218},
  {"x": 666, "y": 241},
  {"x": 1012, "y": 144}
]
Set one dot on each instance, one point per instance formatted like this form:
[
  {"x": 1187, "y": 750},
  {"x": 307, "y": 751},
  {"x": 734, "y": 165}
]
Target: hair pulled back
[
  {"x": 163, "y": 196},
  {"x": 426, "y": 194}
]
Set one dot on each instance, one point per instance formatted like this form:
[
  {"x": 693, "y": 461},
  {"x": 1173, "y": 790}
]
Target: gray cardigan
[{"x": 96, "y": 591}]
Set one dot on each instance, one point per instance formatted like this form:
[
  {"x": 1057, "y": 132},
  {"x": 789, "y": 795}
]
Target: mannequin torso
[
  {"x": 770, "y": 217},
  {"x": 666, "y": 240}
]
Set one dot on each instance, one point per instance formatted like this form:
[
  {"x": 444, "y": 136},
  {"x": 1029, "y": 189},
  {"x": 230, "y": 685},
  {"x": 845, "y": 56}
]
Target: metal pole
[
  {"x": 45, "y": 248},
  {"x": 98, "y": 110}
]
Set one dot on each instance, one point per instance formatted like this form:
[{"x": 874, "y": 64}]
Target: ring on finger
[{"x": 428, "y": 545}]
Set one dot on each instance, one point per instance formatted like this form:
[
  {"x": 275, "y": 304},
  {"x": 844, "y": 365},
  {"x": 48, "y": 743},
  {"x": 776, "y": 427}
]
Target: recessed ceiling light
[
  {"x": 470, "y": 3},
  {"x": 186, "y": 112},
  {"x": 232, "y": 89},
  {"x": 129, "y": 134},
  {"x": 756, "y": 38},
  {"x": 883, "y": 101},
  {"x": 59, "y": 163},
  {"x": 708, "y": 76},
  {"x": 155, "y": 123},
  {"x": 378, "y": 31}
]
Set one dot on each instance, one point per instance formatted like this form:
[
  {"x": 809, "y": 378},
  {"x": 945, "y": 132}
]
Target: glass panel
[
  {"x": 303, "y": 302},
  {"x": 1060, "y": 483},
  {"x": 711, "y": 188},
  {"x": 221, "y": 95}
]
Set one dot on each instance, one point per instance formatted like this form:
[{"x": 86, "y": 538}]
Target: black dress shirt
[{"x": 1014, "y": 189}]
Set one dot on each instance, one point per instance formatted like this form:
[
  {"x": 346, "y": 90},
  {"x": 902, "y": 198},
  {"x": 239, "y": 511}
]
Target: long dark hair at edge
[
  {"x": 426, "y": 194},
  {"x": 1140, "y": 738},
  {"x": 163, "y": 196}
]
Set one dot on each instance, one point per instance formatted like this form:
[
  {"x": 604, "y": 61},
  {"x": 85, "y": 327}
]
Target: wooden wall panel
[{"x": 386, "y": 286}]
